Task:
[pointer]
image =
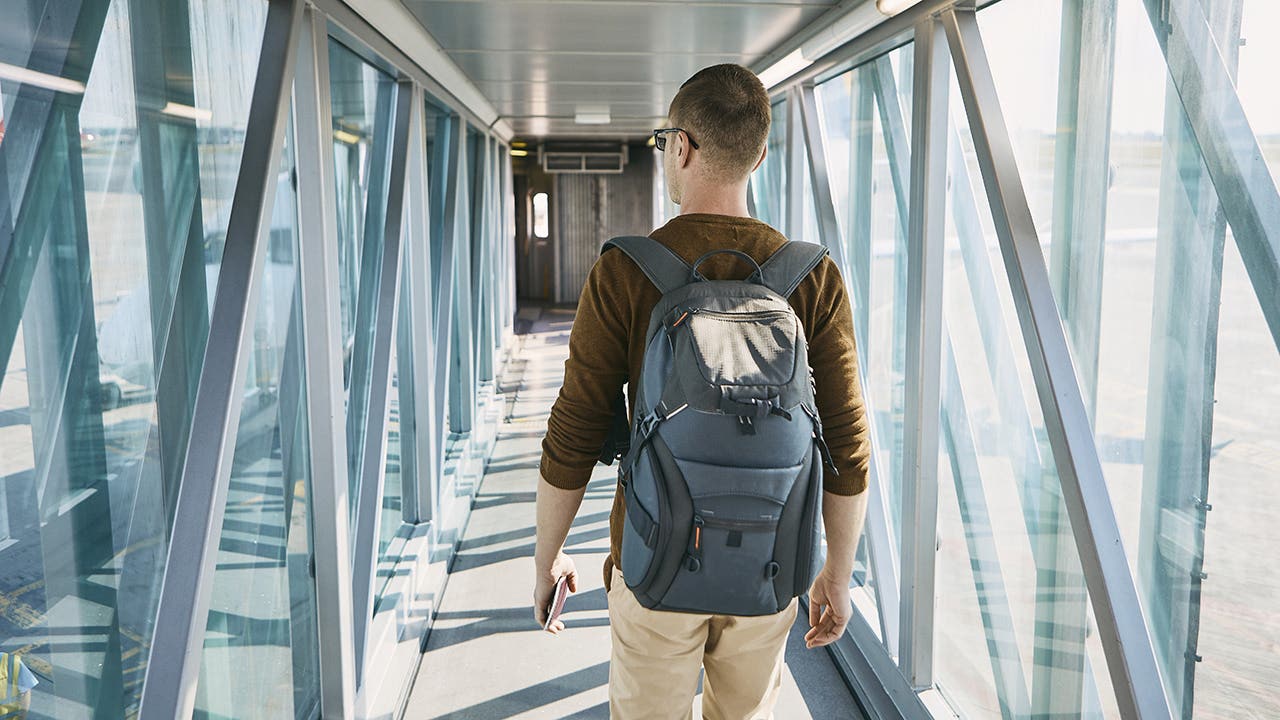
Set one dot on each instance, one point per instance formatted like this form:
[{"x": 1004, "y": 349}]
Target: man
[{"x": 721, "y": 124}]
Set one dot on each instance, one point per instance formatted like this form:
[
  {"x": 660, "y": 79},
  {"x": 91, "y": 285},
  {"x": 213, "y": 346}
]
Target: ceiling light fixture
[
  {"x": 346, "y": 137},
  {"x": 27, "y": 76},
  {"x": 850, "y": 25},
  {"x": 515, "y": 152},
  {"x": 186, "y": 111},
  {"x": 592, "y": 115},
  {"x": 784, "y": 68},
  {"x": 893, "y": 7}
]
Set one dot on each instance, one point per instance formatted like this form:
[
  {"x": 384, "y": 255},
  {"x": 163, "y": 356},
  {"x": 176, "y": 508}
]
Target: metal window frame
[
  {"x": 450, "y": 151},
  {"x": 418, "y": 275},
  {"x": 793, "y": 206},
  {"x": 925, "y": 262},
  {"x": 294, "y": 47},
  {"x": 462, "y": 392},
  {"x": 1129, "y": 651},
  {"x": 322, "y": 332},
  {"x": 956, "y": 431},
  {"x": 1123, "y": 630},
  {"x": 880, "y": 546},
  {"x": 873, "y": 676},
  {"x": 374, "y": 453},
  {"x": 169, "y": 687},
  {"x": 1228, "y": 145}
]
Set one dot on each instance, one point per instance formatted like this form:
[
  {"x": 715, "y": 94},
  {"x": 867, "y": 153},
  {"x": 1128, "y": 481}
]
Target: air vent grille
[{"x": 595, "y": 159}]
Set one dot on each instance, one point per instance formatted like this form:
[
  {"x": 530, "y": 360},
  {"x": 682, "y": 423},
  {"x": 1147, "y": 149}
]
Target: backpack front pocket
[{"x": 729, "y": 563}]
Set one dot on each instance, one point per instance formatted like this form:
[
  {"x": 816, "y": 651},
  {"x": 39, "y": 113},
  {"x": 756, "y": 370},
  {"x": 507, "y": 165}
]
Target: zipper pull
[{"x": 694, "y": 556}]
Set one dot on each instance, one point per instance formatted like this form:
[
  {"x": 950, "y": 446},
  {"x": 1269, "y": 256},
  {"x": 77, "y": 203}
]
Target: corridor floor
[{"x": 486, "y": 658}]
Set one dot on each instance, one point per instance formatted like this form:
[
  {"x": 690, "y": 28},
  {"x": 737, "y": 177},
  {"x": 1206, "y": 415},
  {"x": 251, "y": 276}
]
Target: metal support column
[
  {"x": 793, "y": 201},
  {"x": 924, "y": 261},
  {"x": 861, "y": 192},
  {"x": 462, "y": 388},
  {"x": 420, "y": 491},
  {"x": 374, "y": 451},
  {"x": 318, "y": 274},
  {"x": 448, "y": 158}
]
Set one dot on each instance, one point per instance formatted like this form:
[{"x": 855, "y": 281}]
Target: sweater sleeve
[
  {"x": 833, "y": 355},
  {"x": 593, "y": 376}
]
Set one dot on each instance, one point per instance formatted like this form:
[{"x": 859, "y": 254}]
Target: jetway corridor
[{"x": 286, "y": 287}]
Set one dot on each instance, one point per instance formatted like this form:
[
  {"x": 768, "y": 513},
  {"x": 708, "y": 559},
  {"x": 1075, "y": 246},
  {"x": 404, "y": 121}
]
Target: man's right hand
[
  {"x": 545, "y": 585},
  {"x": 829, "y": 608}
]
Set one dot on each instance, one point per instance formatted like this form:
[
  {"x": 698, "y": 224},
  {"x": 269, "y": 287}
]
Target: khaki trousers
[{"x": 653, "y": 666}]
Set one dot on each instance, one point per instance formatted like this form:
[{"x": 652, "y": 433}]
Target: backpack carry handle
[{"x": 756, "y": 276}]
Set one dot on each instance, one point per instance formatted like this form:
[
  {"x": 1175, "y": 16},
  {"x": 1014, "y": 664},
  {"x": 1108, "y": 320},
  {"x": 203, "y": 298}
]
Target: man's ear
[
  {"x": 763, "y": 152},
  {"x": 683, "y": 156}
]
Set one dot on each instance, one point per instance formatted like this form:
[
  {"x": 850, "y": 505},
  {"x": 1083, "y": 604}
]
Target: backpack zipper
[
  {"x": 749, "y": 525},
  {"x": 735, "y": 316}
]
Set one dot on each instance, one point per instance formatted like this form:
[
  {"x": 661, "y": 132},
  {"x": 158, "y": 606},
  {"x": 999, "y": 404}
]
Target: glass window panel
[
  {"x": 1259, "y": 56},
  {"x": 768, "y": 183},
  {"x": 401, "y": 461},
  {"x": 869, "y": 166},
  {"x": 124, "y": 182},
  {"x": 437, "y": 126},
  {"x": 1012, "y": 617},
  {"x": 868, "y": 189},
  {"x": 1160, "y": 312},
  {"x": 260, "y": 654},
  {"x": 362, "y": 98}
]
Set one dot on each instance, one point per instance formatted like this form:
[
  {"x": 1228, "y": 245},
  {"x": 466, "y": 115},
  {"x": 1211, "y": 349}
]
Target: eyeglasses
[{"x": 660, "y": 137}]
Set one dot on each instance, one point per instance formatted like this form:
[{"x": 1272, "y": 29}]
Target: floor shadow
[
  {"x": 472, "y": 561},
  {"x": 534, "y": 696}
]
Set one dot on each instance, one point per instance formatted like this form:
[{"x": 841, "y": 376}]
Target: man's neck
[{"x": 719, "y": 200}]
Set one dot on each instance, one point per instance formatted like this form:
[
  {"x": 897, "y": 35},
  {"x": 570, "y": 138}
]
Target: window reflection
[
  {"x": 117, "y": 190},
  {"x": 260, "y": 647},
  {"x": 362, "y": 99}
]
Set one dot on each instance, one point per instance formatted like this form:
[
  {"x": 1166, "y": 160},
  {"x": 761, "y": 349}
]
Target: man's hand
[
  {"x": 829, "y": 608},
  {"x": 545, "y": 584}
]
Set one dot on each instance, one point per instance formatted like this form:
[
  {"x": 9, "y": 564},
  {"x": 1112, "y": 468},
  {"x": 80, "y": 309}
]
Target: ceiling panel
[
  {"x": 601, "y": 68},
  {"x": 537, "y": 61},
  {"x": 499, "y": 93},
  {"x": 750, "y": 28}
]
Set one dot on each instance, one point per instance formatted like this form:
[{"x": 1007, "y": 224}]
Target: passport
[{"x": 558, "y": 596}]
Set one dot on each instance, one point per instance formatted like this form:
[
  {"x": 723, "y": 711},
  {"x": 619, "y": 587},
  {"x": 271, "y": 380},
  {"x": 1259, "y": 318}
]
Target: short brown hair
[{"x": 726, "y": 110}]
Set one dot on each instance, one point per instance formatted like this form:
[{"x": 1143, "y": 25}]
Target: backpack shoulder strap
[
  {"x": 664, "y": 268},
  {"x": 784, "y": 270}
]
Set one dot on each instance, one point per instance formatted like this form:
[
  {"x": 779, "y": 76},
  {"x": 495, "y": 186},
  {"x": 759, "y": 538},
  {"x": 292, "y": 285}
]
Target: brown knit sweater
[{"x": 606, "y": 346}]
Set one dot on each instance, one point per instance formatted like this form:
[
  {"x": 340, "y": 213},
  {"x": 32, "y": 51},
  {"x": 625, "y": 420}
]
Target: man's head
[{"x": 724, "y": 109}]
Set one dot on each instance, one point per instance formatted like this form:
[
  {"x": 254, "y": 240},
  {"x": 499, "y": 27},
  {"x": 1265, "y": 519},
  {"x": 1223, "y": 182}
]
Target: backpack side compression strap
[
  {"x": 664, "y": 268},
  {"x": 667, "y": 272},
  {"x": 784, "y": 270}
]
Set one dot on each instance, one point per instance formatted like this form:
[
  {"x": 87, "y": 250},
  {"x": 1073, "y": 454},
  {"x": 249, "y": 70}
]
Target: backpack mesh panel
[{"x": 756, "y": 349}]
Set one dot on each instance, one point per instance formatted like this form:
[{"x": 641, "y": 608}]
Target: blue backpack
[{"x": 722, "y": 468}]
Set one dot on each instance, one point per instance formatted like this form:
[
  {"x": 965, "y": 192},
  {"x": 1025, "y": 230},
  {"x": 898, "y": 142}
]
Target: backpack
[{"x": 722, "y": 471}]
